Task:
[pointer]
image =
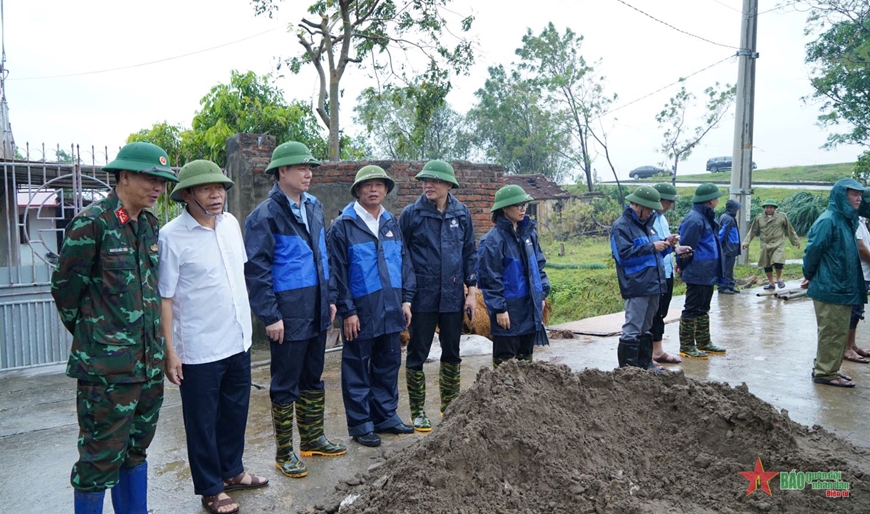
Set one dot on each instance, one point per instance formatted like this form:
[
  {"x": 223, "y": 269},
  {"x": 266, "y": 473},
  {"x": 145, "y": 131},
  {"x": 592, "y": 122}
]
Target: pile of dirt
[{"x": 536, "y": 437}]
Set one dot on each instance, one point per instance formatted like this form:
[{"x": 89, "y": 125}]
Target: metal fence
[{"x": 39, "y": 197}]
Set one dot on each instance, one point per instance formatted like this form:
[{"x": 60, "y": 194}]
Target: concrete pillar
[{"x": 247, "y": 158}]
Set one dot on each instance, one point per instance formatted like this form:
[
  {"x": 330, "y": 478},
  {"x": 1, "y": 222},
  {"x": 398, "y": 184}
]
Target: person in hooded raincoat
[{"x": 833, "y": 279}]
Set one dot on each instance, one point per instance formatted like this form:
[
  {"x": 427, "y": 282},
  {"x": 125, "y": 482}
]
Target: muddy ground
[{"x": 537, "y": 437}]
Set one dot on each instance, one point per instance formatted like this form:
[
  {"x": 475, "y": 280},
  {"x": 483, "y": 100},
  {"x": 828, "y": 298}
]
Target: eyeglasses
[{"x": 522, "y": 206}]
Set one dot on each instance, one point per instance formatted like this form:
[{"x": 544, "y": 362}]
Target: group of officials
[
  {"x": 142, "y": 302},
  {"x": 642, "y": 246}
]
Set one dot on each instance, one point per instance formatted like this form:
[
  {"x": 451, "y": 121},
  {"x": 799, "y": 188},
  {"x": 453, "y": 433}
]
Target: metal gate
[{"x": 39, "y": 198}]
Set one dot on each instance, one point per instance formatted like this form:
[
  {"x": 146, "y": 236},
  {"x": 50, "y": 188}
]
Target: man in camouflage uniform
[{"x": 105, "y": 288}]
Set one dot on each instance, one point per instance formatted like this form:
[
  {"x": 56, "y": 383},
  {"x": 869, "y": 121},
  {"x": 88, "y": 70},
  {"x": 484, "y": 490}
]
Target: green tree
[
  {"x": 167, "y": 137},
  {"x": 680, "y": 137},
  {"x": 512, "y": 125},
  {"x": 839, "y": 60},
  {"x": 248, "y": 104},
  {"x": 574, "y": 90},
  {"x": 342, "y": 32},
  {"x": 412, "y": 122}
]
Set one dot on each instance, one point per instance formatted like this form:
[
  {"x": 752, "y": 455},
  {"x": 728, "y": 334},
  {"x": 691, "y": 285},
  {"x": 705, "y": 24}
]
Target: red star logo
[{"x": 758, "y": 477}]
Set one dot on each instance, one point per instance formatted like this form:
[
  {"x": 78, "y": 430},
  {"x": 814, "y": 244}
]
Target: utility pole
[
  {"x": 741, "y": 167},
  {"x": 7, "y": 142}
]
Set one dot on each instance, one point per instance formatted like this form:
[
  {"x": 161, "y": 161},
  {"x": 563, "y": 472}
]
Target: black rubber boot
[
  {"x": 627, "y": 352},
  {"x": 644, "y": 358}
]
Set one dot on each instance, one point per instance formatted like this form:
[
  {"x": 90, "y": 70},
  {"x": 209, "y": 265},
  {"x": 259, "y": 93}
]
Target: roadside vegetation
[
  {"x": 828, "y": 173},
  {"x": 823, "y": 173}
]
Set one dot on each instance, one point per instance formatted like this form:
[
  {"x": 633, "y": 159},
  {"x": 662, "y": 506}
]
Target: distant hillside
[{"x": 828, "y": 173}]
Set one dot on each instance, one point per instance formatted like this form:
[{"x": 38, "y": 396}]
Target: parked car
[
  {"x": 648, "y": 171},
  {"x": 717, "y": 164}
]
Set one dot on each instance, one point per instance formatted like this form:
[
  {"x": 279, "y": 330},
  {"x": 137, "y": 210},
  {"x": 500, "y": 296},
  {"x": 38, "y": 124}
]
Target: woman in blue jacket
[{"x": 512, "y": 277}]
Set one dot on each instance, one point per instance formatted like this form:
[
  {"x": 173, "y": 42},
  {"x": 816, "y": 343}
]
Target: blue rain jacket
[
  {"x": 699, "y": 230},
  {"x": 441, "y": 246},
  {"x": 639, "y": 266},
  {"x": 287, "y": 272},
  {"x": 372, "y": 276},
  {"x": 511, "y": 276}
]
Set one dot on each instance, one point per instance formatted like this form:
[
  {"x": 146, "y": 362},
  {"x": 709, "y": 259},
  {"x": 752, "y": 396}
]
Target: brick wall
[
  {"x": 247, "y": 158},
  {"x": 478, "y": 182},
  {"x": 249, "y": 154}
]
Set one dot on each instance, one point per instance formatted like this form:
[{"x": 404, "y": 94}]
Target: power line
[
  {"x": 149, "y": 63},
  {"x": 723, "y": 4},
  {"x": 778, "y": 7},
  {"x": 675, "y": 28},
  {"x": 681, "y": 79}
]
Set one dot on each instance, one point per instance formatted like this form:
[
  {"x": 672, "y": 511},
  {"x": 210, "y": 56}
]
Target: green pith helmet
[
  {"x": 197, "y": 173},
  {"x": 770, "y": 202},
  {"x": 438, "y": 170},
  {"x": 290, "y": 153},
  {"x": 510, "y": 195},
  {"x": 666, "y": 191},
  {"x": 368, "y": 173},
  {"x": 144, "y": 158},
  {"x": 706, "y": 192},
  {"x": 646, "y": 196}
]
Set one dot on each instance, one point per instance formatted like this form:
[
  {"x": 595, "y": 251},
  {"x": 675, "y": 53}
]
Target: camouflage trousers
[{"x": 116, "y": 425}]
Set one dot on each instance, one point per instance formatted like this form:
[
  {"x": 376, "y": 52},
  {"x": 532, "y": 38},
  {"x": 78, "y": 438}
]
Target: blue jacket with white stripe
[
  {"x": 287, "y": 270},
  {"x": 511, "y": 276},
  {"x": 372, "y": 276},
  {"x": 639, "y": 266}
]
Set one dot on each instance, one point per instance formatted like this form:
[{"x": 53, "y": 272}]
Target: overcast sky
[{"x": 93, "y": 72}]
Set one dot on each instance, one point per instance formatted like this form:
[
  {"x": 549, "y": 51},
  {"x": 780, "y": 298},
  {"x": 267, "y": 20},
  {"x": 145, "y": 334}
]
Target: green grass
[
  {"x": 826, "y": 173},
  {"x": 583, "y": 293}
]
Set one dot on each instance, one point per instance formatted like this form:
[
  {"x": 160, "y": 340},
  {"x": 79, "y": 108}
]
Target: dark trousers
[
  {"x": 296, "y": 365},
  {"x": 423, "y": 330},
  {"x": 508, "y": 347},
  {"x": 116, "y": 425},
  {"x": 369, "y": 383},
  {"x": 214, "y": 402},
  {"x": 697, "y": 301},
  {"x": 727, "y": 279},
  {"x": 658, "y": 326}
]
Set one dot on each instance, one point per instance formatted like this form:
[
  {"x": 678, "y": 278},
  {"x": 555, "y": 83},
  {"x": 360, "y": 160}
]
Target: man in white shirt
[
  {"x": 853, "y": 352},
  {"x": 207, "y": 325}
]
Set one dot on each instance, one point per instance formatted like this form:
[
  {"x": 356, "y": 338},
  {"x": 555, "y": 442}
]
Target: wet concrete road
[{"x": 770, "y": 342}]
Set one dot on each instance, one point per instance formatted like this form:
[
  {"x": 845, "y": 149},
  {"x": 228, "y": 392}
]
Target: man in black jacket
[{"x": 439, "y": 234}]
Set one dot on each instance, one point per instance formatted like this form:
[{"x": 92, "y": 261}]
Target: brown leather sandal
[
  {"x": 213, "y": 504},
  {"x": 238, "y": 482}
]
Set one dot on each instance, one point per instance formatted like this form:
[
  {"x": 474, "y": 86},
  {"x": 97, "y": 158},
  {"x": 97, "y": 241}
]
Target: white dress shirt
[
  {"x": 202, "y": 271},
  {"x": 373, "y": 223}
]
